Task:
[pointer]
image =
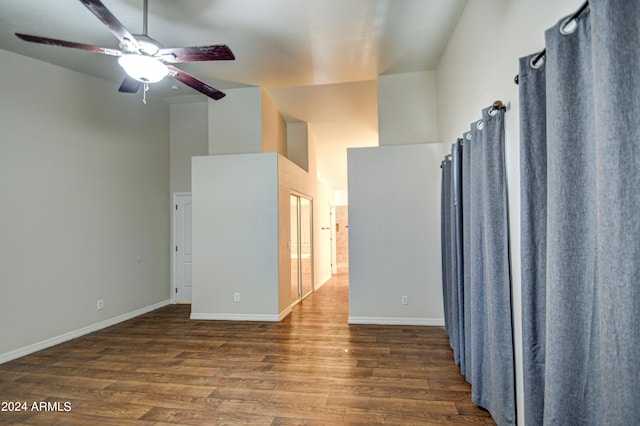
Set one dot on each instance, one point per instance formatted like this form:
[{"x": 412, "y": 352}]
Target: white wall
[
  {"x": 240, "y": 233},
  {"x": 476, "y": 69},
  {"x": 394, "y": 235},
  {"x": 407, "y": 108},
  {"x": 235, "y": 237},
  {"x": 188, "y": 137},
  {"x": 261, "y": 183},
  {"x": 84, "y": 179},
  {"x": 235, "y": 122}
]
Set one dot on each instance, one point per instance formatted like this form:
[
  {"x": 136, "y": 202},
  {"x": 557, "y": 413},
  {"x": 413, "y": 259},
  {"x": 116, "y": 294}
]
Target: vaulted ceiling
[{"x": 318, "y": 59}]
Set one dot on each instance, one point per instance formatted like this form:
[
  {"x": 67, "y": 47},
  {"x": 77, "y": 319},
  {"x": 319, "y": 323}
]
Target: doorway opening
[{"x": 341, "y": 240}]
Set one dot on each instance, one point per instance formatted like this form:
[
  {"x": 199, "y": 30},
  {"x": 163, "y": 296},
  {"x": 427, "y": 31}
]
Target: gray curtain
[
  {"x": 476, "y": 276},
  {"x": 477, "y": 310},
  {"x": 466, "y": 253},
  {"x": 457, "y": 253},
  {"x": 497, "y": 390},
  {"x": 451, "y": 259},
  {"x": 582, "y": 345},
  {"x": 445, "y": 225},
  {"x": 571, "y": 335},
  {"x": 616, "y": 43},
  {"x": 533, "y": 230}
]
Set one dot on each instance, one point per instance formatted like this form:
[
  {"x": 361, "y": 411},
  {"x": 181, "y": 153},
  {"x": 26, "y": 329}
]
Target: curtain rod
[
  {"x": 497, "y": 105},
  {"x": 543, "y": 52}
]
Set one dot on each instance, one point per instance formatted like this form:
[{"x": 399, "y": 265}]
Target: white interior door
[{"x": 182, "y": 248}]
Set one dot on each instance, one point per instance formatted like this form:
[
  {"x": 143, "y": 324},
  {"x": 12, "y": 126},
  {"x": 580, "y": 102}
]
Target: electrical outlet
[
  {"x": 405, "y": 300},
  {"x": 236, "y": 297},
  {"x": 100, "y": 304}
]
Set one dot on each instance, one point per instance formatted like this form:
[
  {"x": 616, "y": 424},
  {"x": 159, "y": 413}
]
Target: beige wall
[
  {"x": 342, "y": 239},
  {"x": 293, "y": 179},
  {"x": 274, "y": 128},
  {"x": 298, "y": 144}
]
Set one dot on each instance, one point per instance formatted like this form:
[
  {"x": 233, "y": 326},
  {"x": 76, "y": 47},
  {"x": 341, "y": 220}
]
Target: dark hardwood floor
[{"x": 310, "y": 369}]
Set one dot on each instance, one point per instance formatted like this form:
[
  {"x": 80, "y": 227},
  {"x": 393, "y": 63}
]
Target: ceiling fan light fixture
[{"x": 143, "y": 68}]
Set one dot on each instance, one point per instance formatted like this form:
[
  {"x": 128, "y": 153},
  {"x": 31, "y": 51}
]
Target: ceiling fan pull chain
[{"x": 144, "y": 93}]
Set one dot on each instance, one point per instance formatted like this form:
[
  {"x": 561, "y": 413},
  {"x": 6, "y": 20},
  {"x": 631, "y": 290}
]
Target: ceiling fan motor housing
[{"x": 145, "y": 45}]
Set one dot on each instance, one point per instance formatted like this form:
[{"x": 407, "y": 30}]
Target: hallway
[{"x": 312, "y": 368}]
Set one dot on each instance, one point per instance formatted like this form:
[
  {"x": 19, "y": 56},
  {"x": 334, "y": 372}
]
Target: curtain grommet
[
  {"x": 497, "y": 105},
  {"x": 569, "y": 25},
  {"x": 536, "y": 62}
]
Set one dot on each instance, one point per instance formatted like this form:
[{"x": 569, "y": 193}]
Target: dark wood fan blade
[
  {"x": 71, "y": 44},
  {"x": 129, "y": 85},
  {"x": 218, "y": 52},
  {"x": 194, "y": 83},
  {"x": 115, "y": 26}
]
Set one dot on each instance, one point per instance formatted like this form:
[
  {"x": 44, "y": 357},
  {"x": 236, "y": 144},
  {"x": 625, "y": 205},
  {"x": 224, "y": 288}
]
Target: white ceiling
[{"x": 318, "y": 59}]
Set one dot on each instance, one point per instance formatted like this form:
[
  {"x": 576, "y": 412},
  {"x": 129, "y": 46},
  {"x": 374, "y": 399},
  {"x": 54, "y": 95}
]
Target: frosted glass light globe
[{"x": 143, "y": 68}]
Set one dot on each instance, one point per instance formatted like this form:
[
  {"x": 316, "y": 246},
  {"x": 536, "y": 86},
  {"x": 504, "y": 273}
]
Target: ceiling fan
[{"x": 144, "y": 59}]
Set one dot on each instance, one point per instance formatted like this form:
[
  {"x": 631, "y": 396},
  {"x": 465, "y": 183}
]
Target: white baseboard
[
  {"x": 323, "y": 282},
  {"x": 235, "y": 317},
  {"x": 77, "y": 333},
  {"x": 396, "y": 321},
  {"x": 287, "y": 310},
  {"x": 253, "y": 317}
]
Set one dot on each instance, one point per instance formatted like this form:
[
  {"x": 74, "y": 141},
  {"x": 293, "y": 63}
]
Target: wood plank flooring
[{"x": 311, "y": 369}]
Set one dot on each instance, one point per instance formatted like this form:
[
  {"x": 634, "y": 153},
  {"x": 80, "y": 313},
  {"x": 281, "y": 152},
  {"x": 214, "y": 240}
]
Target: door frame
[
  {"x": 309, "y": 198},
  {"x": 332, "y": 237},
  {"x": 174, "y": 217}
]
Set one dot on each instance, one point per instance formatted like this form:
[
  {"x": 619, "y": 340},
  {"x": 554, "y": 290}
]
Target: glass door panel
[
  {"x": 293, "y": 248},
  {"x": 306, "y": 246},
  {"x": 301, "y": 245}
]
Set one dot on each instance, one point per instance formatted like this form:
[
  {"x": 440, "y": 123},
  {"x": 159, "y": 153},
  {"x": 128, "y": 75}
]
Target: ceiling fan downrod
[{"x": 145, "y": 7}]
